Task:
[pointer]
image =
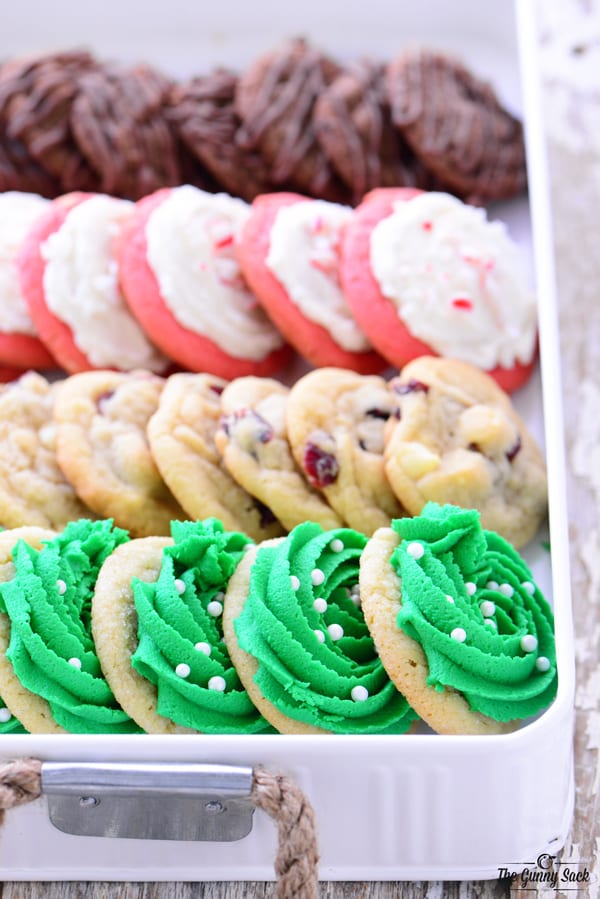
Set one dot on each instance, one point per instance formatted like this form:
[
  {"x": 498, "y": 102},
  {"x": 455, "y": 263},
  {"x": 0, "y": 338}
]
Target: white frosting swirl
[
  {"x": 18, "y": 212},
  {"x": 81, "y": 287},
  {"x": 456, "y": 280},
  {"x": 191, "y": 250},
  {"x": 303, "y": 256}
]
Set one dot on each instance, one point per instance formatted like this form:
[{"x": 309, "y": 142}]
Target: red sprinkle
[
  {"x": 224, "y": 241},
  {"x": 462, "y": 303},
  {"x": 427, "y": 226}
]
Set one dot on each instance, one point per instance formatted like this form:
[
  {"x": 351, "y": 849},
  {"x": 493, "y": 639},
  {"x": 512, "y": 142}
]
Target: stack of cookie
[
  {"x": 313, "y": 633},
  {"x": 337, "y": 448},
  {"x": 296, "y": 118},
  {"x": 209, "y": 283}
]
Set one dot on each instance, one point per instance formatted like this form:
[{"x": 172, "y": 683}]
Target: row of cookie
[
  {"x": 317, "y": 632},
  {"x": 337, "y": 448},
  {"x": 294, "y": 118},
  {"x": 214, "y": 284}
]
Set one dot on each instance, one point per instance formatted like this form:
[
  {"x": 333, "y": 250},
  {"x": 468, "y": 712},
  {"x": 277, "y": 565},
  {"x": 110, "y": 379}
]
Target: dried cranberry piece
[
  {"x": 321, "y": 467},
  {"x": 412, "y": 386},
  {"x": 378, "y": 413},
  {"x": 512, "y": 452},
  {"x": 266, "y": 515},
  {"x": 217, "y": 388}
]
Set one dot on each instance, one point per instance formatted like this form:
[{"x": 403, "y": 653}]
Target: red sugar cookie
[
  {"x": 71, "y": 262},
  {"x": 211, "y": 323},
  {"x": 281, "y": 255},
  {"x": 444, "y": 291}
]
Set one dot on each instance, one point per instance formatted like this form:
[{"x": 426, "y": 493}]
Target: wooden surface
[{"x": 575, "y": 185}]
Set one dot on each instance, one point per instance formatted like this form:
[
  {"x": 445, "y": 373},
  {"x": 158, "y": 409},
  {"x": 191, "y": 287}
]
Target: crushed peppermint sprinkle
[
  {"x": 62, "y": 587},
  {"x": 203, "y": 647},
  {"x": 450, "y": 598},
  {"x": 529, "y": 643},
  {"x": 5, "y": 715},
  {"x": 336, "y": 545},
  {"x": 75, "y": 662},
  {"x": 359, "y": 693},
  {"x": 317, "y": 577},
  {"x": 320, "y": 604},
  {"x": 462, "y": 303},
  {"x": 217, "y": 683},
  {"x": 182, "y": 670},
  {"x": 506, "y": 589},
  {"x": 336, "y": 631},
  {"x": 416, "y": 550},
  {"x": 542, "y": 664},
  {"x": 320, "y": 636},
  {"x": 471, "y": 588},
  {"x": 487, "y": 608},
  {"x": 294, "y": 582},
  {"x": 215, "y": 608},
  {"x": 179, "y": 585},
  {"x": 528, "y": 587},
  {"x": 459, "y": 634}
]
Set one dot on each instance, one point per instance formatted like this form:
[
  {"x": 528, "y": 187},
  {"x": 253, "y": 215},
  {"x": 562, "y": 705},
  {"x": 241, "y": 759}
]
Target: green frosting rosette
[
  {"x": 469, "y": 599},
  {"x": 303, "y": 624},
  {"x": 181, "y": 647},
  {"x": 8, "y": 723},
  {"x": 51, "y": 647}
]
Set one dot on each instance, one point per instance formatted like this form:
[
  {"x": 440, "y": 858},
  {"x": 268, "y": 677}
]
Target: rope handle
[{"x": 279, "y": 796}]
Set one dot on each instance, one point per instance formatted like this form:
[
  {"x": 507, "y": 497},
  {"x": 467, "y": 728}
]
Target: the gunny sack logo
[{"x": 548, "y": 871}]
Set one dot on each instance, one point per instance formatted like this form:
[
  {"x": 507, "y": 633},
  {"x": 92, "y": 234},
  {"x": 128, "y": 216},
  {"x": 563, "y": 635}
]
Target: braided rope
[{"x": 279, "y": 796}]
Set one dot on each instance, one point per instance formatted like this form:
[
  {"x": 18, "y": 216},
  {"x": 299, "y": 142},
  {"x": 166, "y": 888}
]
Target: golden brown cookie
[
  {"x": 456, "y": 438},
  {"x": 253, "y": 442},
  {"x": 402, "y": 657},
  {"x": 114, "y": 627},
  {"x": 101, "y": 419},
  {"x": 335, "y": 422},
  {"x": 182, "y": 439},
  {"x": 31, "y": 710},
  {"x": 33, "y": 489}
]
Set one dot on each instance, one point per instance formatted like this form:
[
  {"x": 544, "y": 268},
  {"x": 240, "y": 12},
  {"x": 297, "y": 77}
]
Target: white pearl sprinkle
[
  {"x": 183, "y": 670},
  {"x": 336, "y": 631},
  {"x": 528, "y": 587},
  {"x": 336, "y": 545},
  {"x": 416, "y": 550},
  {"x": 355, "y": 596},
  {"x": 359, "y": 693},
  {"x": 529, "y": 643},
  {"x": 217, "y": 683},
  {"x": 317, "y": 577},
  {"x": 487, "y": 608},
  {"x": 450, "y": 598},
  {"x": 492, "y": 585},
  {"x": 62, "y": 587},
  {"x": 294, "y": 582},
  {"x": 542, "y": 663},
  {"x": 459, "y": 634},
  {"x": 491, "y": 623},
  {"x": 506, "y": 589},
  {"x": 471, "y": 588},
  {"x": 75, "y": 662},
  {"x": 320, "y": 636},
  {"x": 215, "y": 608},
  {"x": 320, "y": 604},
  {"x": 203, "y": 647},
  {"x": 179, "y": 585},
  {"x": 220, "y": 596},
  {"x": 5, "y": 715}
]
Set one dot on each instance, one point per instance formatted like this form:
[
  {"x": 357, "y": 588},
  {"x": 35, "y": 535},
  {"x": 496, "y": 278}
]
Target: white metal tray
[{"x": 388, "y": 807}]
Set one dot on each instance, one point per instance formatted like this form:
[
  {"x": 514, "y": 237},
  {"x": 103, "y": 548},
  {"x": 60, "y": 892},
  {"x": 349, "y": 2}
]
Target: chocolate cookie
[
  {"x": 353, "y": 125},
  {"x": 275, "y": 99},
  {"x": 456, "y": 125},
  {"x": 36, "y": 97},
  {"x": 120, "y": 127},
  {"x": 203, "y": 114}
]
